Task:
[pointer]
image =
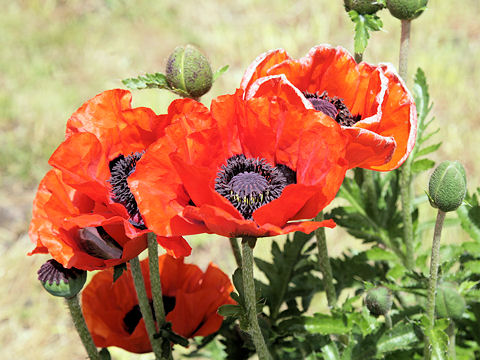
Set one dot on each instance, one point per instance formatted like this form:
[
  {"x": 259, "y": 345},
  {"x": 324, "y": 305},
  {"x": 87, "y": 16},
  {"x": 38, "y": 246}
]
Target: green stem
[
  {"x": 248, "y": 243},
  {"x": 81, "y": 326},
  {"x": 388, "y": 321},
  {"x": 371, "y": 192},
  {"x": 324, "y": 262},
  {"x": 406, "y": 199},
  {"x": 432, "y": 281},
  {"x": 236, "y": 251},
  {"x": 155, "y": 280},
  {"x": 404, "y": 45},
  {"x": 452, "y": 354},
  {"x": 145, "y": 309}
]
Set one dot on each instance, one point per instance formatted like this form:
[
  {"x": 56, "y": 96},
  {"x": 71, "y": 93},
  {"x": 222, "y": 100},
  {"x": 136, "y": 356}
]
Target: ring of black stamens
[
  {"x": 251, "y": 183},
  {"x": 133, "y": 317},
  {"x": 333, "y": 107},
  {"x": 52, "y": 271},
  {"x": 120, "y": 169}
]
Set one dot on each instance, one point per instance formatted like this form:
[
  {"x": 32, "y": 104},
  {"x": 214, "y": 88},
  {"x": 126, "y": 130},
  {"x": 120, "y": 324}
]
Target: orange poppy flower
[
  {"x": 105, "y": 138},
  {"x": 246, "y": 167},
  {"x": 371, "y": 103},
  {"x": 77, "y": 231},
  {"x": 191, "y": 299}
]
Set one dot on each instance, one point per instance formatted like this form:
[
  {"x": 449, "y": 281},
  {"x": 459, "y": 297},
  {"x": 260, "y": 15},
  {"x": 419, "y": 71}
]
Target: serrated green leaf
[
  {"x": 379, "y": 254},
  {"x": 422, "y": 165},
  {"x": 364, "y": 23},
  {"x": 472, "y": 266},
  {"x": 470, "y": 220},
  {"x": 220, "y": 72},
  {"x": 401, "y": 337},
  {"x": 229, "y": 310},
  {"x": 326, "y": 325},
  {"x": 428, "y": 149},
  {"x": 147, "y": 81}
]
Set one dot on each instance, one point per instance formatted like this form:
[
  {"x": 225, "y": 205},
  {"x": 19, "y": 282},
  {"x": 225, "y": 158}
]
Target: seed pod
[
  {"x": 363, "y": 7},
  {"x": 60, "y": 281},
  {"x": 448, "y": 186},
  {"x": 448, "y": 302},
  {"x": 406, "y": 9},
  {"x": 189, "y": 71},
  {"x": 378, "y": 301}
]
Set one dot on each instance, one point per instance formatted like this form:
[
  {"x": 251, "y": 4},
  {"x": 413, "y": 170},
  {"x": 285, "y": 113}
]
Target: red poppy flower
[
  {"x": 77, "y": 231},
  {"x": 191, "y": 299},
  {"x": 371, "y": 103},
  {"x": 247, "y": 167},
  {"x": 105, "y": 138}
]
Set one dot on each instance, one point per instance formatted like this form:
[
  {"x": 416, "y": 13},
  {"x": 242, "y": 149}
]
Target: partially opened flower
[
  {"x": 247, "y": 167},
  {"x": 77, "y": 231},
  {"x": 105, "y": 138},
  {"x": 371, "y": 103},
  {"x": 191, "y": 299}
]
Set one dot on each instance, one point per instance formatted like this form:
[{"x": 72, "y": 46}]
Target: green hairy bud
[
  {"x": 406, "y": 9},
  {"x": 60, "y": 281},
  {"x": 449, "y": 303},
  {"x": 189, "y": 71},
  {"x": 378, "y": 301},
  {"x": 448, "y": 186},
  {"x": 363, "y": 7}
]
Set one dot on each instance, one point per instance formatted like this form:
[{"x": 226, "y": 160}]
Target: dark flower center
[
  {"x": 251, "y": 183},
  {"x": 133, "y": 317},
  {"x": 120, "y": 169},
  {"x": 333, "y": 107},
  {"x": 53, "y": 272},
  {"x": 97, "y": 242}
]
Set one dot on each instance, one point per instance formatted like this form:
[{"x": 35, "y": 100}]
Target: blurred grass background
[{"x": 55, "y": 54}]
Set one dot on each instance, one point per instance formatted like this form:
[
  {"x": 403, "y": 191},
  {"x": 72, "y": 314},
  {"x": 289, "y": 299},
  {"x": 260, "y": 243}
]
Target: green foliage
[
  {"x": 469, "y": 215},
  {"x": 363, "y": 25}
]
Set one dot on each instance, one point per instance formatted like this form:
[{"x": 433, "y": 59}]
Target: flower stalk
[
  {"x": 432, "y": 282},
  {"x": 145, "y": 309},
  {"x": 155, "y": 280},
  {"x": 79, "y": 322},
  {"x": 324, "y": 262},
  {"x": 248, "y": 243}
]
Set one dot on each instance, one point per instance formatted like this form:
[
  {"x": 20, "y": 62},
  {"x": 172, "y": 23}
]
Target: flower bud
[
  {"x": 448, "y": 186},
  {"x": 406, "y": 9},
  {"x": 363, "y": 7},
  {"x": 449, "y": 303},
  {"x": 378, "y": 301},
  {"x": 189, "y": 71},
  {"x": 60, "y": 281}
]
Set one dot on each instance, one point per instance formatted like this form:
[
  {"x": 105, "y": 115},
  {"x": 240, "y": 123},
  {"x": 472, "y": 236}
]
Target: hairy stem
[
  {"x": 236, "y": 251},
  {"x": 145, "y": 309},
  {"x": 404, "y": 45},
  {"x": 432, "y": 281},
  {"x": 248, "y": 243},
  {"x": 155, "y": 280},
  {"x": 79, "y": 322},
  {"x": 324, "y": 262},
  {"x": 452, "y": 354},
  {"x": 388, "y": 321}
]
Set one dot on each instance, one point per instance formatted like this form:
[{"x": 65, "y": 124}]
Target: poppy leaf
[
  {"x": 147, "y": 81},
  {"x": 422, "y": 165},
  {"x": 220, "y": 72},
  {"x": 118, "y": 271},
  {"x": 428, "y": 149},
  {"x": 229, "y": 310},
  {"x": 470, "y": 216},
  {"x": 363, "y": 24}
]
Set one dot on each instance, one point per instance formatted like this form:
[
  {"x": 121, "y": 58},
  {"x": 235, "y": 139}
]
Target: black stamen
[
  {"x": 52, "y": 271},
  {"x": 251, "y": 183},
  {"x": 333, "y": 107},
  {"x": 120, "y": 169},
  {"x": 133, "y": 317}
]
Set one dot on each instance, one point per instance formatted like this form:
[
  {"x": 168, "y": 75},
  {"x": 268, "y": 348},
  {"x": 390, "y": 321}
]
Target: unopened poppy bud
[
  {"x": 378, "y": 301},
  {"x": 363, "y": 7},
  {"x": 406, "y": 9},
  {"x": 449, "y": 303},
  {"x": 60, "y": 281},
  {"x": 189, "y": 70},
  {"x": 448, "y": 186}
]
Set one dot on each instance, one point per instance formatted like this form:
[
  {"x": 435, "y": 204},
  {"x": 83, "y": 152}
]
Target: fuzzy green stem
[
  {"x": 324, "y": 262},
  {"x": 452, "y": 354},
  {"x": 236, "y": 251},
  {"x": 155, "y": 280},
  {"x": 145, "y": 309},
  {"x": 371, "y": 198},
  {"x": 79, "y": 322},
  {"x": 388, "y": 321},
  {"x": 404, "y": 45},
  {"x": 248, "y": 243},
  {"x": 432, "y": 281}
]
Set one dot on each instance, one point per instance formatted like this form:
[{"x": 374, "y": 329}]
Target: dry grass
[{"x": 56, "y": 54}]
